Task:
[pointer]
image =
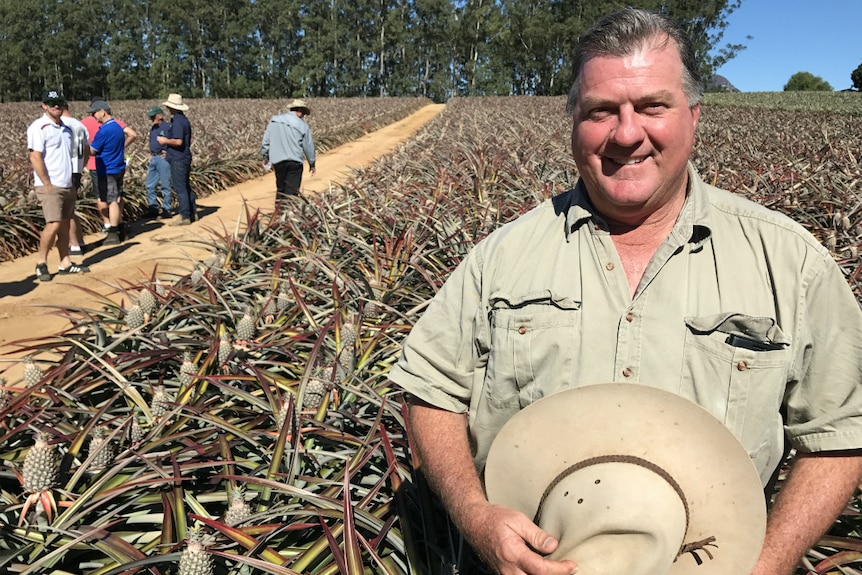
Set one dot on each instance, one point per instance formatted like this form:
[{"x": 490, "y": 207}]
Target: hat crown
[
  {"x": 175, "y": 102},
  {"x": 616, "y": 517}
]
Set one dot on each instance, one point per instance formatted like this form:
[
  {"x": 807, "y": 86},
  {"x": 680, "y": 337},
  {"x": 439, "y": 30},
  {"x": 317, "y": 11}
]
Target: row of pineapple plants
[
  {"x": 238, "y": 418},
  {"x": 226, "y": 147}
]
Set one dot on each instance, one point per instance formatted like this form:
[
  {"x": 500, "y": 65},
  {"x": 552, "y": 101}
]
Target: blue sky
[{"x": 789, "y": 36}]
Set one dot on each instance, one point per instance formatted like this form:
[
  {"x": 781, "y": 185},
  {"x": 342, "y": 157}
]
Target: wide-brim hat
[
  {"x": 175, "y": 102},
  {"x": 299, "y": 105},
  {"x": 631, "y": 479}
]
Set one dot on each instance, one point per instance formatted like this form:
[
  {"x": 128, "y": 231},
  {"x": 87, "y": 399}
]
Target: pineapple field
[{"x": 238, "y": 418}]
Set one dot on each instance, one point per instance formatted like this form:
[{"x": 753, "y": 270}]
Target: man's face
[
  {"x": 100, "y": 116},
  {"x": 633, "y": 132},
  {"x": 157, "y": 119},
  {"x": 53, "y": 108}
]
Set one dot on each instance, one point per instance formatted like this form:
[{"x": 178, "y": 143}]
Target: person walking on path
[
  {"x": 286, "y": 140},
  {"x": 93, "y": 125},
  {"x": 80, "y": 156},
  {"x": 178, "y": 139},
  {"x": 159, "y": 170},
  {"x": 109, "y": 147},
  {"x": 49, "y": 142},
  {"x": 642, "y": 274}
]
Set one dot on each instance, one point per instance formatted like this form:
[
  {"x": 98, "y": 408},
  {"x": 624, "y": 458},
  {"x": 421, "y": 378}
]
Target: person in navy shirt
[
  {"x": 109, "y": 147},
  {"x": 178, "y": 139},
  {"x": 159, "y": 170}
]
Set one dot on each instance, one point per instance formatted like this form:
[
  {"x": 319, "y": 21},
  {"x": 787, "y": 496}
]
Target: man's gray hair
[{"x": 628, "y": 30}]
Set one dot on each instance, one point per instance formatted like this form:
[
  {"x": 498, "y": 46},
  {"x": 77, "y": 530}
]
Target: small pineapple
[
  {"x": 160, "y": 402},
  {"x": 283, "y": 299},
  {"x": 188, "y": 370},
  {"x": 316, "y": 388},
  {"x": 32, "y": 373},
  {"x": 40, "y": 465},
  {"x": 101, "y": 449},
  {"x": 160, "y": 289},
  {"x": 270, "y": 308},
  {"x": 136, "y": 431},
  {"x": 197, "y": 276},
  {"x": 134, "y": 317},
  {"x": 238, "y": 510},
  {"x": 194, "y": 559},
  {"x": 148, "y": 302},
  {"x": 224, "y": 348},
  {"x": 245, "y": 327},
  {"x": 4, "y": 394},
  {"x": 347, "y": 353}
]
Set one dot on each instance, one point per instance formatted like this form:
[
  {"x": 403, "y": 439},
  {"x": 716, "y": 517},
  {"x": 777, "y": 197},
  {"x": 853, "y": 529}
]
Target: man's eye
[{"x": 654, "y": 108}]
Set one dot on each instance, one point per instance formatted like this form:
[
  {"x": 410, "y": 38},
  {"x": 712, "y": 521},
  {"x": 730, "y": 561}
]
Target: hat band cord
[{"x": 692, "y": 547}]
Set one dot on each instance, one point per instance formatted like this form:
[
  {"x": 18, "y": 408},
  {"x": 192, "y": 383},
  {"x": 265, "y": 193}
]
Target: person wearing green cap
[{"x": 159, "y": 170}]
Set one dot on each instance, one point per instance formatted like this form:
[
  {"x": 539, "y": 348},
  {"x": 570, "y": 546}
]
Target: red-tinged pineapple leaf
[
  {"x": 337, "y": 553},
  {"x": 351, "y": 544},
  {"x": 262, "y": 565},
  {"x": 837, "y": 560}
]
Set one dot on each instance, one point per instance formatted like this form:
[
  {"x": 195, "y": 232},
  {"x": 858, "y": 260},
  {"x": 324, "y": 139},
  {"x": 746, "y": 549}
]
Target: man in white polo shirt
[{"x": 50, "y": 145}]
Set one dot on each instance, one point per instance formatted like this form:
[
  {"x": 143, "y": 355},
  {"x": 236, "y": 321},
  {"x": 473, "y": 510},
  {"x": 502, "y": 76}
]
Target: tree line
[{"x": 131, "y": 49}]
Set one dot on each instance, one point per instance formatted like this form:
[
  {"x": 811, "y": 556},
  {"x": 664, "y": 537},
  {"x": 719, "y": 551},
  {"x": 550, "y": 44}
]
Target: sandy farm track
[{"x": 23, "y": 299}]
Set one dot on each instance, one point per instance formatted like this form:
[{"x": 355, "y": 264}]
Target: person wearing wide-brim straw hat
[
  {"x": 178, "y": 139},
  {"x": 632, "y": 480},
  {"x": 286, "y": 140}
]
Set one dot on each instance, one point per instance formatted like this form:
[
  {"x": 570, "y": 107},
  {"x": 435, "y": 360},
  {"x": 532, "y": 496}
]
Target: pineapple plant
[
  {"x": 101, "y": 449},
  {"x": 238, "y": 509},
  {"x": 245, "y": 327},
  {"x": 195, "y": 560},
  {"x": 148, "y": 302},
  {"x": 225, "y": 346},
  {"x": 315, "y": 389},
  {"x": 160, "y": 402},
  {"x": 39, "y": 474},
  {"x": 32, "y": 372},
  {"x": 188, "y": 370},
  {"x": 283, "y": 299},
  {"x": 134, "y": 317},
  {"x": 347, "y": 350}
]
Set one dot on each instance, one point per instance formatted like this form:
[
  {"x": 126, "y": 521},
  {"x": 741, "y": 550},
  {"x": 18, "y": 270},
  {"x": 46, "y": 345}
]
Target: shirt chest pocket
[
  {"x": 533, "y": 343},
  {"x": 736, "y": 367}
]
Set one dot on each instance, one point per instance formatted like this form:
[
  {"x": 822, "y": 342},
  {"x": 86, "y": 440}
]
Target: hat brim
[
  {"x": 721, "y": 484},
  {"x": 180, "y": 107}
]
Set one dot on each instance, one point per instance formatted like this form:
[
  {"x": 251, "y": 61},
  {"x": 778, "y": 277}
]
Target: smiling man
[{"x": 642, "y": 274}]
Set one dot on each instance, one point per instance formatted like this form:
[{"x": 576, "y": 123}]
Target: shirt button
[
  {"x": 630, "y": 317},
  {"x": 627, "y": 372},
  {"x": 742, "y": 365},
  {"x": 522, "y": 330},
  {"x": 609, "y": 267}
]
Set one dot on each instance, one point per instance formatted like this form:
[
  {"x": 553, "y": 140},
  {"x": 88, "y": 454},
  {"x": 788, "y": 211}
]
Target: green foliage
[
  {"x": 806, "y": 82},
  {"x": 856, "y": 78},
  {"x": 272, "y": 48},
  {"x": 846, "y": 103}
]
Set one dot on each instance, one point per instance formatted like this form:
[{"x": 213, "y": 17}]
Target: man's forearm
[
  {"x": 444, "y": 451},
  {"x": 813, "y": 495}
]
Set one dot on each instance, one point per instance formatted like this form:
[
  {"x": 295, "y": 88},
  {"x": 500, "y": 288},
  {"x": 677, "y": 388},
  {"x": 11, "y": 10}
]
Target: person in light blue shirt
[{"x": 286, "y": 140}]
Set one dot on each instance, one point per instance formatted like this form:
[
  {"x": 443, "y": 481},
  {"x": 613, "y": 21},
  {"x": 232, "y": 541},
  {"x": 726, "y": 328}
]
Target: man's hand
[{"x": 512, "y": 544}]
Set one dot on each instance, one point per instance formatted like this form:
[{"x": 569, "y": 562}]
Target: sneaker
[
  {"x": 165, "y": 215},
  {"x": 74, "y": 269},
  {"x": 42, "y": 273},
  {"x": 106, "y": 229},
  {"x": 181, "y": 222},
  {"x": 112, "y": 238},
  {"x": 77, "y": 250}
]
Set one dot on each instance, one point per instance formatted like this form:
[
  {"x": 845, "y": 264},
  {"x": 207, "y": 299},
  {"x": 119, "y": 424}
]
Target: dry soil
[{"x": 28, "y": 307}]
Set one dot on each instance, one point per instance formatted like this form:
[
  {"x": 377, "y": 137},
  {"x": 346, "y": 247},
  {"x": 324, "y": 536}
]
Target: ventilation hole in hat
[
  {"x": 581, "y": 500},
  {"x": 598, "y": 481}
]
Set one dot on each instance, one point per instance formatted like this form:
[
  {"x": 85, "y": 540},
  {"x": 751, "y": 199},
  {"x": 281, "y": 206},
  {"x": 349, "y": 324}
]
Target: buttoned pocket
[
  {"x": 736, "y": 367},
  {"x": 533, "y": 342}
]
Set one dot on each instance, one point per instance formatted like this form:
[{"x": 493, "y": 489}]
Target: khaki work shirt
[{"x": 740, "y": 310}]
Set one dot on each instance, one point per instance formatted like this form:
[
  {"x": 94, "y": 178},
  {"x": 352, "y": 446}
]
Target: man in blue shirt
[
  {"x": 159, "y": 170},
  {"x": 178, "y": 139},
  {"x": 109, "y": 147}
]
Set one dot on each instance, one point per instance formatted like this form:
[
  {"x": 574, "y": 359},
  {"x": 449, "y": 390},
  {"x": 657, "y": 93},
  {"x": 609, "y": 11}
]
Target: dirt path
[{"x": 23, "y": 314}]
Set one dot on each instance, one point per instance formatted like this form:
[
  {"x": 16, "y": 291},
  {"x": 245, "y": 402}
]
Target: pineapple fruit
[
  {"x": 101, "y": 449},
  {"x": 194, "y": 559}
]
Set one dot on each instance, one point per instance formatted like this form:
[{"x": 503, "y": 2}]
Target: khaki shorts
[{"x": 57, "y": 204}]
